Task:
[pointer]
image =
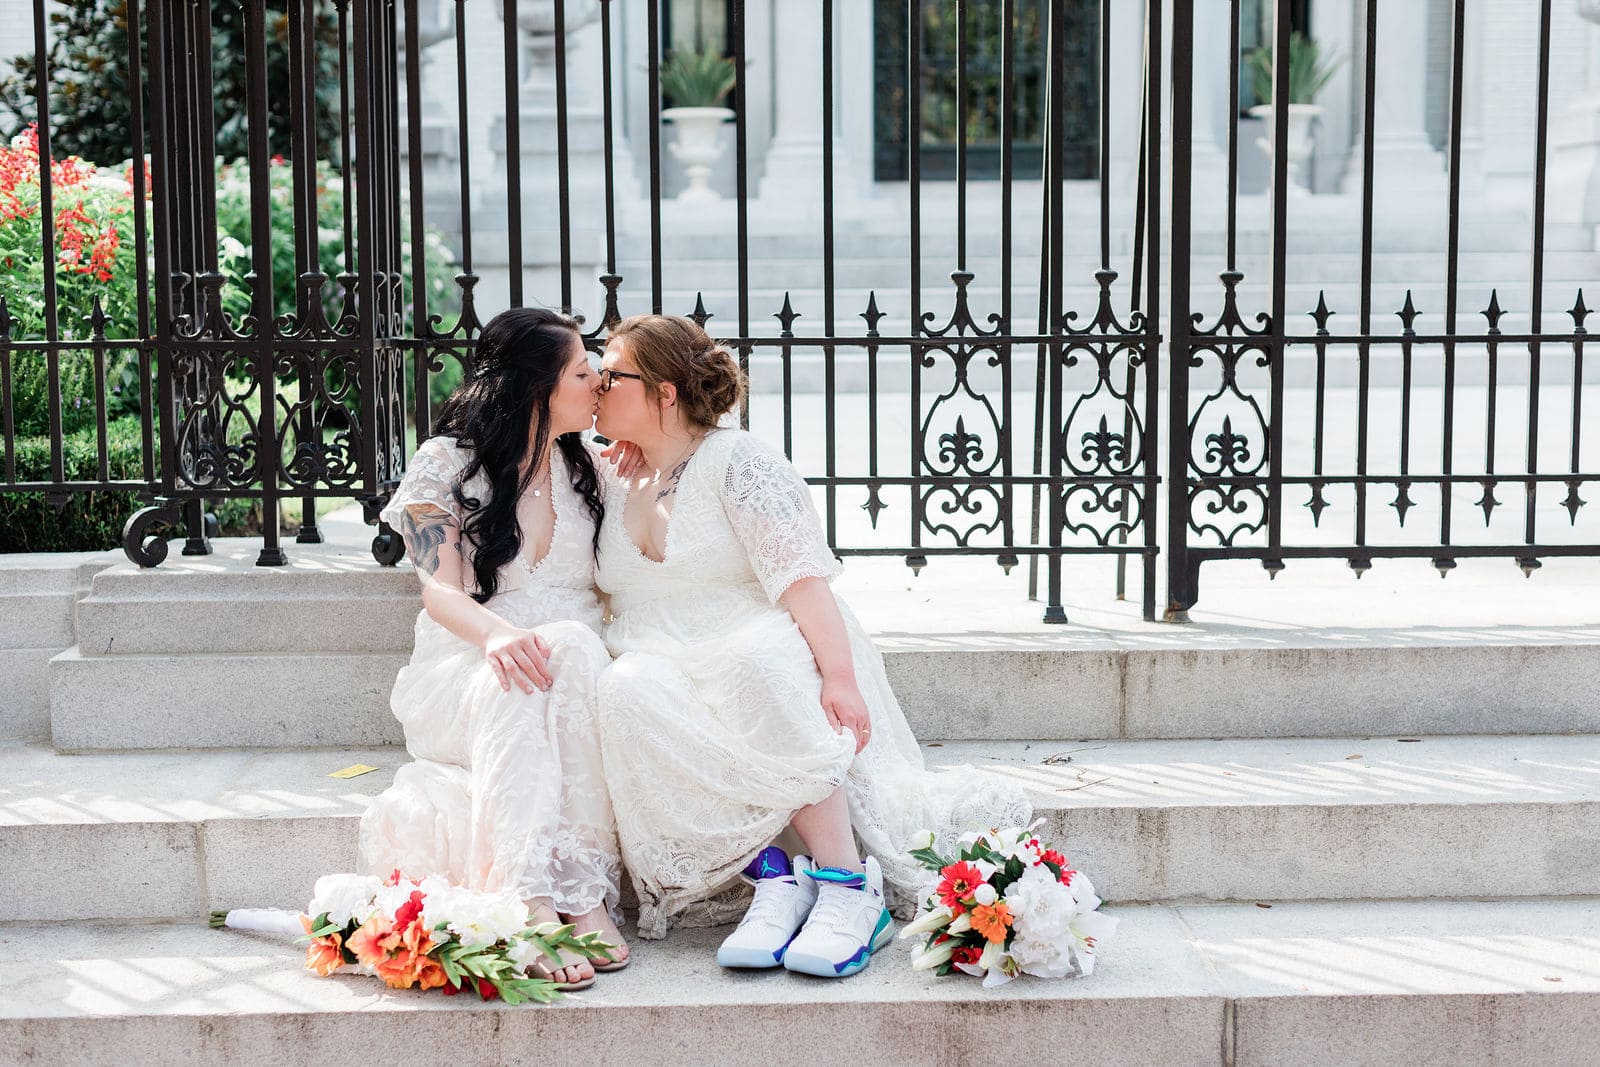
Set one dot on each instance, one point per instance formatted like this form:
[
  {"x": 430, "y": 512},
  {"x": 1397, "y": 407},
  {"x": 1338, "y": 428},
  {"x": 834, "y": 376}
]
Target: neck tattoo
[{"x": 668, "y": 483}]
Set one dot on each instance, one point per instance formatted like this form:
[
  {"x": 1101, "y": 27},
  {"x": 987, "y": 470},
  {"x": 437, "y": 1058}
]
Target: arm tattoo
[{"x": 424, "y": 534}]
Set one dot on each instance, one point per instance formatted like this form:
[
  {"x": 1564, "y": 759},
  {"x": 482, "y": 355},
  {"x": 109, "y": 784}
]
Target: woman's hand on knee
[
  {"x": 846, "y": 709},
  {"x": 519, "y": 657}
]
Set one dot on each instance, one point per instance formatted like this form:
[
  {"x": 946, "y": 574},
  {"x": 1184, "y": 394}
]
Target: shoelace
[
  {"x": 767, "y": 906},
  {"x": 833, "y": 905}
]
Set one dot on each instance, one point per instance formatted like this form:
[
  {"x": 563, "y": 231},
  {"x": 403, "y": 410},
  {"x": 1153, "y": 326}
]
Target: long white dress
[
  {"x": 711, "y": 725},
  {"x": 506, "y": 790}
]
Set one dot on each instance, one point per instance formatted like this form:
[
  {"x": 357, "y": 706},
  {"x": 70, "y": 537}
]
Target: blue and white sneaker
[
  {"x": 848, "y": 924},
  {"x": 780, "y": 907}
]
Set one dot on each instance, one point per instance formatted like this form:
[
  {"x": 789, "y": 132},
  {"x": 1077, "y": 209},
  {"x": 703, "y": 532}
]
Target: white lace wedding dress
[
  {"x": 711, "y": 725},
  {"x": 506, "y": 789}
]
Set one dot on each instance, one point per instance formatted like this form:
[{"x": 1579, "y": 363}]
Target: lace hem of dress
[{"x": 577, "y": 879}]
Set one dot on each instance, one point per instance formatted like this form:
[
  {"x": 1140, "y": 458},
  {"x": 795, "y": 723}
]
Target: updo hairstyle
[{"x": 669, "y": 348}]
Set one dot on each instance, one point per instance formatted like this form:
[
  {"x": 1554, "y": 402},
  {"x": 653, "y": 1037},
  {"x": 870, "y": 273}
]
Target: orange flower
[
  {"x": 323, "y": 955},
  {"x": 992, "y": 920},
  {"x": 367, "y": 942},
  {"x": 401, "y": 970},
  {"x": 430, "y": 975}
]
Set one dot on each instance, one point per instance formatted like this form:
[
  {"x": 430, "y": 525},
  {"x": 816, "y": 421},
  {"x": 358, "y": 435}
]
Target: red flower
[
  {"x": 394, "y": 877},
  {"x": 487, "y": 990},
  {"x": 409, "y": 910},
  {"x": 968, "y": 955},
  {"x": 957, "y": 884}
]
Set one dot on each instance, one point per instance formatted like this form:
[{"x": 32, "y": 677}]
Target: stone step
[
  {"x": 339, "y": 600},
  {"x": 171, "y": 835},
  {"x": 38, "y": 591},
  {"x": 334, "y": 628},
  {"x": 961, "y": 687},
  {"x": 1358, "y": 984},
  {"x": 222, "y": 700}
]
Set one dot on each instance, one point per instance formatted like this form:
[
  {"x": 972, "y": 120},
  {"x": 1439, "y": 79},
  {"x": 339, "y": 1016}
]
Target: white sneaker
[
  {"x": 848, "y": 924},
  {"x": 779, "y": 909}
]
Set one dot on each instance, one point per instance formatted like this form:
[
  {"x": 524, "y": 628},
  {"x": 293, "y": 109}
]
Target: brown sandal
[
  {"x": 613, "y": 966},
  {"x": 542, "y": 969}
]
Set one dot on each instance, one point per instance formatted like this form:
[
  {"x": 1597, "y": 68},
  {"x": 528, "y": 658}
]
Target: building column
[
  {"x": 793, "y": 164},
  {"x": 1573, "y": 192},
  {"x": 1400, "y": 107},
  {"x": 1334, "y": 26}
]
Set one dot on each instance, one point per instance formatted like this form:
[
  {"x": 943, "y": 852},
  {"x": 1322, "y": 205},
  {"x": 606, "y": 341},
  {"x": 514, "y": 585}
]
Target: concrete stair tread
[
  {"x": 43, "y": 787},
  {"x": 1350, "y": 983},
  {"x": 1450, "y": 818}
]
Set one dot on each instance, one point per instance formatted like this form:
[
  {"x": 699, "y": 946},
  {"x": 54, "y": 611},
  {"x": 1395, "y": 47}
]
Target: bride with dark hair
[{"x": 500, "y": 510}]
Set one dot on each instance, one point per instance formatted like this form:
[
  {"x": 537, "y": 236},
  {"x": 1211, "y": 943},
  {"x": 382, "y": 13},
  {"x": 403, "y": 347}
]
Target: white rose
[
  {"x": 1043, "y": 907},
  {"x": 985, "y": 894},
  {"x": 343, "y": 897},
  {"x": 1041, "y": 959},
  {"x": 920, "y": 840}
]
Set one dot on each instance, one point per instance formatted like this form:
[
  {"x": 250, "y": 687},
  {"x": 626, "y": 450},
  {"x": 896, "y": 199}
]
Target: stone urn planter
[
  {"x": 697, "y": 144},
  {"x": 1301, "y": 116}
]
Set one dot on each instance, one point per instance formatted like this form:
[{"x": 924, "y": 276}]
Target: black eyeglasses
[{"x": 608, "y": 378}]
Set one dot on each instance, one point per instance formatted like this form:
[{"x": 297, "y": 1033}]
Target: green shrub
[{"x": 30, "y": 523}]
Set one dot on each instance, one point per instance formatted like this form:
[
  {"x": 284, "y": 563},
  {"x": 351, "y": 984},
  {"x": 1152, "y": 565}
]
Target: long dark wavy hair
[{"x": 520, "y": 356}]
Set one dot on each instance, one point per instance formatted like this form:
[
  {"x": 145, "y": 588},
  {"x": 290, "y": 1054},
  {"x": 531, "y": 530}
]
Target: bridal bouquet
[
  {"x": 427, "y": 934},
  {"x": 1006, "y": 905}
]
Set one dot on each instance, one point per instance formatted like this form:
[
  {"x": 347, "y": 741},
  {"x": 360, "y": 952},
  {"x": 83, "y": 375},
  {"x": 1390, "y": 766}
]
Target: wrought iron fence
[
  {"x": 1032, "y": 413},
  {"x": 1239, "y": 492}
]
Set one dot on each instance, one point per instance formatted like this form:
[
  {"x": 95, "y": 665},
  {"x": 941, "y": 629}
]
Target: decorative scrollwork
[
  {"x": 982, "y": 502},
  {"x": 961, "y": 322},
  {"x": 967, "y": 415},
  {"x": 1103, "y": 510},
  {"x": 1224, "y": 500},
  {"x": 1227, "y": 450},
  {"x": 960, "y": 448},
  {"x": 139, "y": 544},
  {"x": 388, "y": 548}
]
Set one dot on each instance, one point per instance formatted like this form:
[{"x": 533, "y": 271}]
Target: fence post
[{"x": 1181, "y": 570}]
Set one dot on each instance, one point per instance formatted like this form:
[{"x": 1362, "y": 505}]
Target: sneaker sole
[
  {"x": 742, "y": 958},
  {"x": 802, "y": 963}
]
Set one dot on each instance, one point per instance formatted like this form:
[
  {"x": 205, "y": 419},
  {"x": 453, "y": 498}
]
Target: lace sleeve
[
  {"x": 427, "y": 482},
  {"x": 769, "y": 506}
]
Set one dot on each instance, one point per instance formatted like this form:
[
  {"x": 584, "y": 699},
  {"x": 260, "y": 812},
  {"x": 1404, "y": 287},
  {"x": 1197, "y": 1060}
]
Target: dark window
[{"x": 937, "y": 66}]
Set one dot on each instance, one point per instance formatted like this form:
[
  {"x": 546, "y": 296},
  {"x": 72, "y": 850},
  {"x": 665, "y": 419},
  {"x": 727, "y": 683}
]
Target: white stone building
[{"x": 783, "y": 112}]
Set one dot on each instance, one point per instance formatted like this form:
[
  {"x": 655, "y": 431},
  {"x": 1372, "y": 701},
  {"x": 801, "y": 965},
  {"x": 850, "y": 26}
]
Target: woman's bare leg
[{"x": 825, "y": 829}]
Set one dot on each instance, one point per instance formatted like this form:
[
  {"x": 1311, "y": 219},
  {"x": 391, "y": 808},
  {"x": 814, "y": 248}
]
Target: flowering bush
[
  {"x": 1006, "y": 905},
  {"x": 93, "y": 216},
  {"x": 92, "y": 210},
  {"x": 93, "y": 213}
]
